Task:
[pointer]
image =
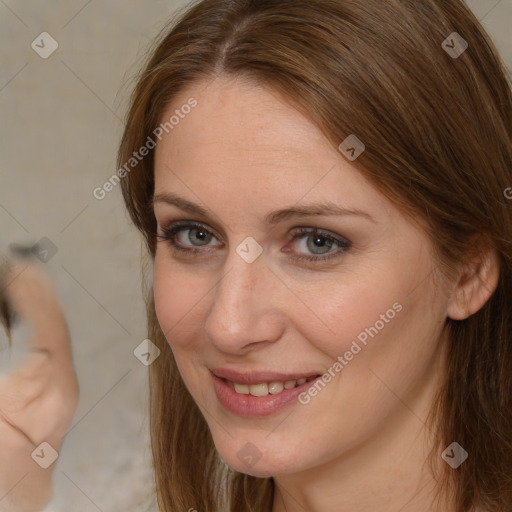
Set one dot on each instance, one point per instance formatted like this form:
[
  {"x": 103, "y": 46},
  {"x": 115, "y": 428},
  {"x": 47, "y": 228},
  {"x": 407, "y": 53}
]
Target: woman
[{"x": 331, "y": 241}]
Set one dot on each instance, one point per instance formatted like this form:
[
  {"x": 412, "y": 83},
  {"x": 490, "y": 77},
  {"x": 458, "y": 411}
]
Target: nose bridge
[{"x": 240, "y": 305}]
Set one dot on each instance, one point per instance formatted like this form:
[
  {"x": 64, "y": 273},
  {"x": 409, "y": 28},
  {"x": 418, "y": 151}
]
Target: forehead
[
  {"x": 245, "y": 144},
  {"x": 234, "y": 116}
]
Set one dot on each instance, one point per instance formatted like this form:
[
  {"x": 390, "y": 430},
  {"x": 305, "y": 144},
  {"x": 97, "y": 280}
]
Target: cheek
[
  {"x": 387, "y": 338},
  {"x": 355, "y": 308},
  {"x": 177, "y": 298},
  {"x": 374, "y": 321},
  {"x": 179, "y": 306}
]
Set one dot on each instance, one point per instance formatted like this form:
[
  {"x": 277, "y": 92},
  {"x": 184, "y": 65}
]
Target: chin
[{"x": 245, "y": 457}]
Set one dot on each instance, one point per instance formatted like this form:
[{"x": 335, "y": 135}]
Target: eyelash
[{"x": 170, "y": 233}]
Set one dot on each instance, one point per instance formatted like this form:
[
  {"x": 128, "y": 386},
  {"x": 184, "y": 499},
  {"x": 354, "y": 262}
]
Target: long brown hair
[{"x": 436, "y": 126}]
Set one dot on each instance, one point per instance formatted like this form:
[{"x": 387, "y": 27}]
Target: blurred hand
[{"x": 38, "y": 400}]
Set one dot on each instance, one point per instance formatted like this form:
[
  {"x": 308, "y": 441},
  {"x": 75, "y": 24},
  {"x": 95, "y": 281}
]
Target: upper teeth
[{"x": 266, "y": 388}]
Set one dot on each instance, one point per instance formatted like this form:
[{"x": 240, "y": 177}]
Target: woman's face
[{"x": 253, "y": 296}]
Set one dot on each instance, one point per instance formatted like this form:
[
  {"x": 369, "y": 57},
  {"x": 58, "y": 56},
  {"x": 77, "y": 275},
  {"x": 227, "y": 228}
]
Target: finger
[{"x": 31, "y": 296}]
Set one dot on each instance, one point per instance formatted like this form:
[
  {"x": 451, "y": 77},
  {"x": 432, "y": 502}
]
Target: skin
[
  {"x": 360, "y": 444},
  {"x": 38, "y": 400}
]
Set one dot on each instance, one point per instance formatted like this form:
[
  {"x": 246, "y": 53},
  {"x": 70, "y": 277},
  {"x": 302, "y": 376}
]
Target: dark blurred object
[
  {"x": 20, "y": 251},
  {"x": 6, "y": 312}
]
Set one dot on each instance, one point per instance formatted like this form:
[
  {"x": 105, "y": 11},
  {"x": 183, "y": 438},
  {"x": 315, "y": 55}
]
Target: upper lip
[{"x": 256, "y": 377}]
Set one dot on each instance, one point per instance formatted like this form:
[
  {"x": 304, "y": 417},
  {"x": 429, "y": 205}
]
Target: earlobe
[{"x": 477, "y": 282}]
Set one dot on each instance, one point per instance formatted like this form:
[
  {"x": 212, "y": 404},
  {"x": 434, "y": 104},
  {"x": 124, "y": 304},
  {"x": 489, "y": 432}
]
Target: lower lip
[{"x": 254, "y": 406}]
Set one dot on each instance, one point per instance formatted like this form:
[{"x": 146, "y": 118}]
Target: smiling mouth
[{"x": 267, "y": 388}]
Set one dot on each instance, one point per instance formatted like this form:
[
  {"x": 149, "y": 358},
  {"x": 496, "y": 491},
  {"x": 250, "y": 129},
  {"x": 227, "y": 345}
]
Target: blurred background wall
[{"x": 61, "y": 120}]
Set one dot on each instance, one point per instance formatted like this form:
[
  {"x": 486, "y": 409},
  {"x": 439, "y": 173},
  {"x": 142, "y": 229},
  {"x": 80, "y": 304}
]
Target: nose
[{"x": 245, "y": 310}]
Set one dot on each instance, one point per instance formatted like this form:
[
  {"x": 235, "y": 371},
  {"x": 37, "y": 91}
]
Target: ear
[{"x": 477, "y": 280}]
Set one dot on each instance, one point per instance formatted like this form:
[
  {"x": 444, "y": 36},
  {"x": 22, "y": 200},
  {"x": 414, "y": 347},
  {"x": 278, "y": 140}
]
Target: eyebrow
[{"x": 324, "y": 208}]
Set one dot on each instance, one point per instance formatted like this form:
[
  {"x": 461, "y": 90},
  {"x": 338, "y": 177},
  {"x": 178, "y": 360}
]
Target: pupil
[
  {"x": 320, "y": 242},
  {"x": 200, "y": 235}
]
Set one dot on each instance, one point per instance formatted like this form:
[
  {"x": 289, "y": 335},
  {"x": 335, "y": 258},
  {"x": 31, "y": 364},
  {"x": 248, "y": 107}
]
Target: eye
[
  {"x": 187, "y": 236},
  {"x": 311, "y": 244},
  {"x": 321, "y": 245}
]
